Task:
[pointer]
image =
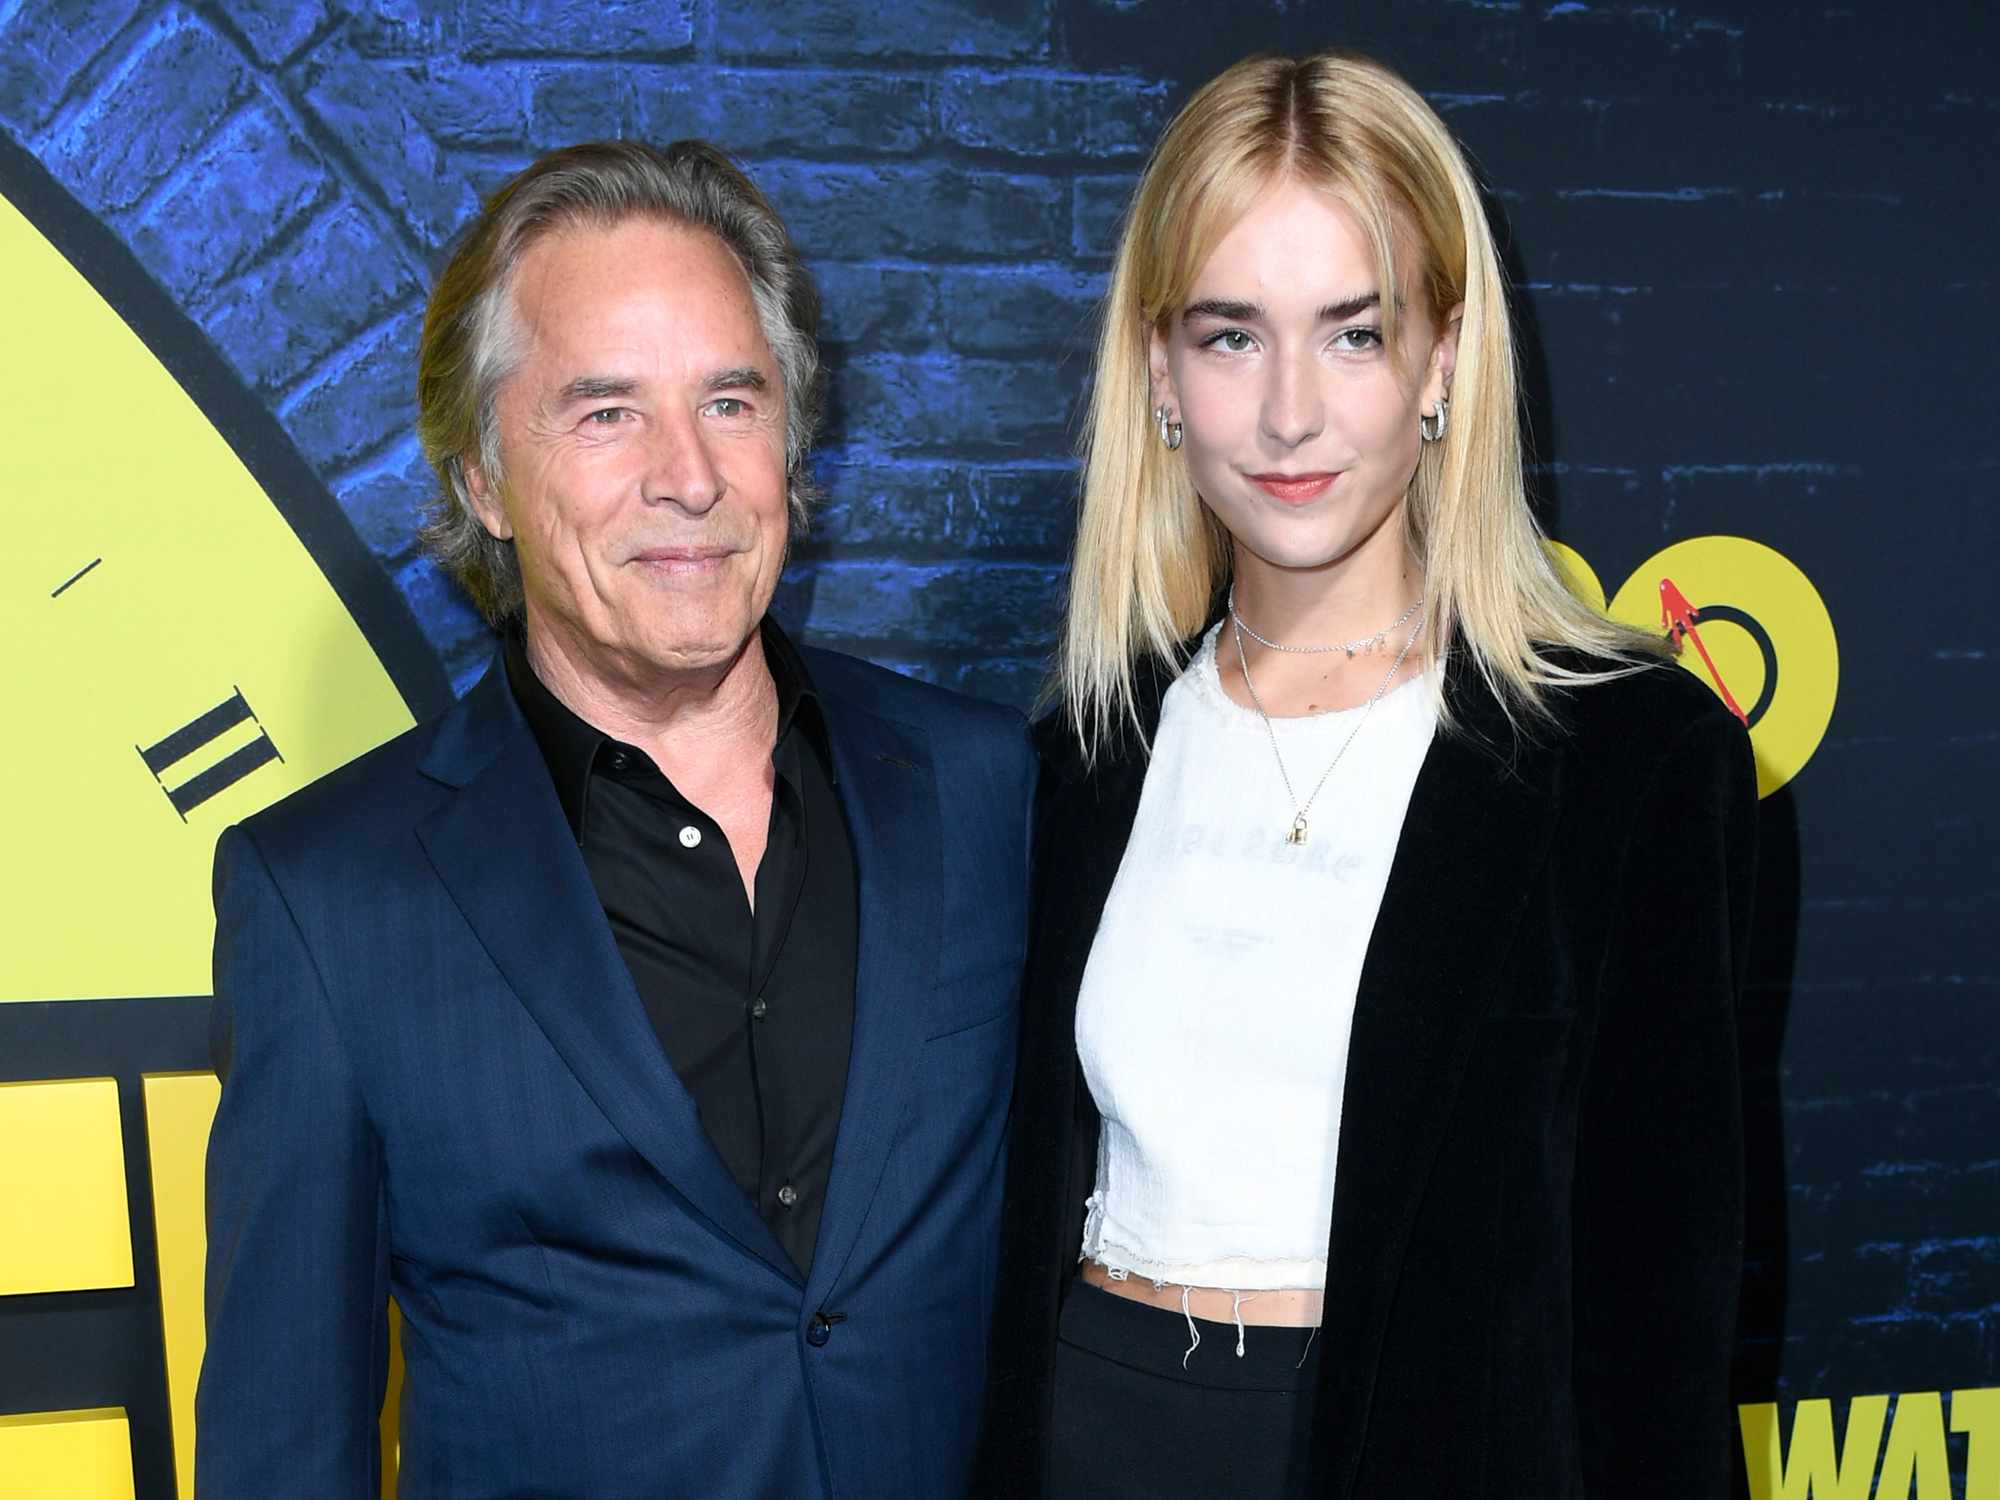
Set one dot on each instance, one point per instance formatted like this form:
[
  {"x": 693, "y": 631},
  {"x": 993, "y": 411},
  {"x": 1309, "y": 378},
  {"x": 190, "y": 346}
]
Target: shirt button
[
  {"x": 788, "y": 1195},
  {"x": 819, "y": 1330},
  {"x": 758, "y": 1009},
  {"x": 618, "y": 760},
  {"x": 690, "y": 836}
]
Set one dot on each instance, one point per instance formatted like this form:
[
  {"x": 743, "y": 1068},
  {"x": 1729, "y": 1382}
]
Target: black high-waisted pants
[{"x": 1137, "y": 1415}]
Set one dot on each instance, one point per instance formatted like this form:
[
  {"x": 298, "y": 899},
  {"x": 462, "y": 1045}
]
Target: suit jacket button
[{"x": 819, "y": 1330}]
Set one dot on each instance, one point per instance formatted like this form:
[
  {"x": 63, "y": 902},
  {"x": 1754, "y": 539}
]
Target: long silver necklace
[
  {"x": 1297, "y": 833},
  {"x": 1353, "y": 647}
]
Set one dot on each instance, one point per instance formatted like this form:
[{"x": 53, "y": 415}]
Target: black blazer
[{"x": 1537, "y": 1212}]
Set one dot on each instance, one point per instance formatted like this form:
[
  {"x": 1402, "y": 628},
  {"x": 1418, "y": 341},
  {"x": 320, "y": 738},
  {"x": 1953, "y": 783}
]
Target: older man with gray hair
[{"x": 644, "y": 1025}]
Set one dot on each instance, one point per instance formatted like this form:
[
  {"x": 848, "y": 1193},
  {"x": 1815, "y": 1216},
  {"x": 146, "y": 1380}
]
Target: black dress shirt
[{"x": 755, "y": 1010}]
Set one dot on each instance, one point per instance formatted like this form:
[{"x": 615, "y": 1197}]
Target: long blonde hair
[{"x": 1151, "y": 560}]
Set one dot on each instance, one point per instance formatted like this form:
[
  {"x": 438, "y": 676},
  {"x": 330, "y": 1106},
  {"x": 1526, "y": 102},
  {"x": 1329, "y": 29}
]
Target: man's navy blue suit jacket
[{"x": 439, "y": 1084}]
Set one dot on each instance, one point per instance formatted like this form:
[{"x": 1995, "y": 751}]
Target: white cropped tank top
[{"x": 1213, "y": 1019}]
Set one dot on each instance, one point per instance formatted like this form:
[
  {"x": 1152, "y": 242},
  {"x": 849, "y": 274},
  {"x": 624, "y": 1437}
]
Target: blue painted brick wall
[
  {"x": 1756, "y": 292},
  {"x": 292, "y": 173}
]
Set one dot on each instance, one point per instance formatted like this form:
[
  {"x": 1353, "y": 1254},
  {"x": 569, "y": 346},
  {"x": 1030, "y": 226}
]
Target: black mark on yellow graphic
[
  {"x": 1681, "y": 622},
  {"x": 59, "y": 588},
  {"x": 1686, "y": 628},
  {"x": 205, "y": 730}
]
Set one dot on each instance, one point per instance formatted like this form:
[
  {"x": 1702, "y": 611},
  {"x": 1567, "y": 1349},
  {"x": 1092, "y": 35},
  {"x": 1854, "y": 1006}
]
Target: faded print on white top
[{"x": 1215, "y": 1008}]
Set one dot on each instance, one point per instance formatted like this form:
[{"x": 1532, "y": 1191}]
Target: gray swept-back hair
[{"x": 472, "y": 337}]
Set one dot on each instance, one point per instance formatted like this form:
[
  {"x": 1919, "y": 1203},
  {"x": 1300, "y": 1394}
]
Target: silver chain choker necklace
[{"x": 1352, "y": 648}]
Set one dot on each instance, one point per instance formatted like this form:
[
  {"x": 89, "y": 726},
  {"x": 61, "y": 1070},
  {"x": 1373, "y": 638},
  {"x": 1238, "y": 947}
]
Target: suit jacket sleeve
[
  {"x": 1659, "y": 1186},
  {"x": 291, "y": 1386}
]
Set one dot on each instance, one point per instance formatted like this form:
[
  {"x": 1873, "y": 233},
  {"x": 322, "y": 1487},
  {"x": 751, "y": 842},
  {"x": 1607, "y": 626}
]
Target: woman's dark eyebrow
[
  {"x": 1228, "y": 312},
  {"x": 1249, "y": 312},
  {"x": 1340, "y": 312}
]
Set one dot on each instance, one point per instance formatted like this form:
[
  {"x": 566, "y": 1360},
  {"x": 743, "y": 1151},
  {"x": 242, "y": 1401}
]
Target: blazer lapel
[
  {"x": 887, "y": 787},
  {"x": 1081, "y": 834},
  {"x": 505, "y": 852},
  {"x": 1476, "y": 832}
]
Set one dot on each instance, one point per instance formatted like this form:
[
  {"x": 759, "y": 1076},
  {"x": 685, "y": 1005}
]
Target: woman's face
[{"x": 1301, "y": 435}]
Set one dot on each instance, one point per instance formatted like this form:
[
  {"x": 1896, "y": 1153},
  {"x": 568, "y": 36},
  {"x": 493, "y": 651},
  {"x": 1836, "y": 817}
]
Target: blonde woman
[{"x": 1378, "y": 1128}]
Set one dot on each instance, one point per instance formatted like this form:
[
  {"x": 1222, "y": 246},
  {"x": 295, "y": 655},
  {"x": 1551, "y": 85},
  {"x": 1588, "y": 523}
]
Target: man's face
[{"x": 642, "y": 442}]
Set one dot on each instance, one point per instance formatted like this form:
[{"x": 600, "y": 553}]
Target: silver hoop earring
[
  {"x": 1431, "y": 428},
  {"x": 1171, "y": 431}
]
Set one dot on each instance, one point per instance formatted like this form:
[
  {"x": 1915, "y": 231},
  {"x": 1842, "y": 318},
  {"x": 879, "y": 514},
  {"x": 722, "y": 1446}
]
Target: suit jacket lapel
[
  {"x": 1475, "y": 835},
  {"x": 505, "y": 852},
  {"x": 888, "y": 789}
]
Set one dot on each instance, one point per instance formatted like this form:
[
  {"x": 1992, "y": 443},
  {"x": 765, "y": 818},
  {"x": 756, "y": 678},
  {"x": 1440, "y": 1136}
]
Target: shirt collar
[{"x": 570, "y": 745}]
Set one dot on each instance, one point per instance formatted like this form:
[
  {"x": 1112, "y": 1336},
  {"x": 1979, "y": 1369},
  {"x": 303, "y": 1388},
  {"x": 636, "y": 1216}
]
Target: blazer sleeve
[
  {"x": 1658, "y": 1226},
  {"x": 291, "y": 1385}
]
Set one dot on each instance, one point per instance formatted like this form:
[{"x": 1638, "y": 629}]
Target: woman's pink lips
[{"x": 1293, "y": 489}]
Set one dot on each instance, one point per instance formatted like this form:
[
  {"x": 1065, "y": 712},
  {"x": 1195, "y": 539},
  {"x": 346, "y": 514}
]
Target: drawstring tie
[
  {"x": 1237, "y": 1299},
  {"x": 1194, "y": 1333},
  {"x": 1236, "y": 1312}
]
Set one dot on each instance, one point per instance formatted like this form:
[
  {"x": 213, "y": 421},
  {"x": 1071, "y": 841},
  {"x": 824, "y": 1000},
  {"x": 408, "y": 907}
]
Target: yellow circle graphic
[{"x": 1751, "y": 626}]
